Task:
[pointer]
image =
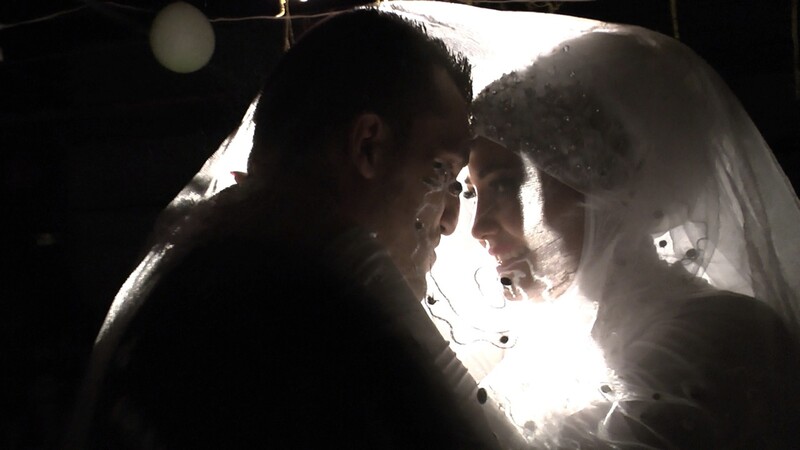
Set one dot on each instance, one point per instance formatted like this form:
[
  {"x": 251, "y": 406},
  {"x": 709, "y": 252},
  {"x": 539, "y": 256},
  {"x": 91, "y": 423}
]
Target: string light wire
[
  {"x": 796, "y": 49},
  {"x": 673, "y": 10},
  {"x": 284, "y": 11},
  {"x": 4, "y": 26}
]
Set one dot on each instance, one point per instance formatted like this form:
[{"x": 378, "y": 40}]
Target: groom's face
[{"x": 421, "y": 193}]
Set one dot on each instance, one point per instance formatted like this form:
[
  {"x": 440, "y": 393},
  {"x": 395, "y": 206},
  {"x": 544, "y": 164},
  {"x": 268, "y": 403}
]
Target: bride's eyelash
[{"x": 469, "y": 193}]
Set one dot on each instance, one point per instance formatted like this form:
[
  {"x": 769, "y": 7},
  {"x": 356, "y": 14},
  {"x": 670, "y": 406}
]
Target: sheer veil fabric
[
  {"x": 684, "y": 201},
  {"x": 694, "y": 202}
]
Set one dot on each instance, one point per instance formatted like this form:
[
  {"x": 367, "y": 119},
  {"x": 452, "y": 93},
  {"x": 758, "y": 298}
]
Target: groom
[{"x": 293, "y": 318}]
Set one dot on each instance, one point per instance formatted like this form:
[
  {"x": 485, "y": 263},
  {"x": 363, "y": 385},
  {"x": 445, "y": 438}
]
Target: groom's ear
[{"x": 368, "y": 143}]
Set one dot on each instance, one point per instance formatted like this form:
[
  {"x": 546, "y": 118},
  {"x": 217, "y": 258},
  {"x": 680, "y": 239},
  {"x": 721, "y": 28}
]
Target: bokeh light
[{"x": 182, "y": 38}]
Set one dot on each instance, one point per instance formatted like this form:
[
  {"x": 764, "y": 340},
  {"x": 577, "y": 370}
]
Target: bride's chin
[
  {"x": 517, "y": 280},
  {"x": 533, "y": 292}
]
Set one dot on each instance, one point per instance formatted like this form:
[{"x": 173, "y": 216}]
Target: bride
[{"x": 618, "y": 175}]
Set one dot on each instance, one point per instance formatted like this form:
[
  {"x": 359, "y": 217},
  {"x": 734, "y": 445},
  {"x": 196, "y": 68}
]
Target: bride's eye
[{"x": 469, "y": 193}]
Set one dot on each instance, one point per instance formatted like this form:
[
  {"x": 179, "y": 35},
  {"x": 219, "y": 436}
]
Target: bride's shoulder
[
  {"x": 729, "y": 322},
  {"x": 725, "y": 305}
]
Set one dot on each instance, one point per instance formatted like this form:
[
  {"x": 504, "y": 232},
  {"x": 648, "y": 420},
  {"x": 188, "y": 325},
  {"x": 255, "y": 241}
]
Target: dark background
[{"x": 97, "y": 138}]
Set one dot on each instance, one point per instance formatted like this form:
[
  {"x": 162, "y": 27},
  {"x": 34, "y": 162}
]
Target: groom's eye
[
  {"x": 442, "y": 170},
  {"x": 442, "y": 175}
]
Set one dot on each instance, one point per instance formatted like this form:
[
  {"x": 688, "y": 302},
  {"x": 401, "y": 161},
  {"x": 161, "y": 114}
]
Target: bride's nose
[{"x": 485, "y": 223}]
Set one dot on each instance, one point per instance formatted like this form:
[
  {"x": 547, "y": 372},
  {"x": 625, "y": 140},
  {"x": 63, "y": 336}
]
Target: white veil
[
  {"x": 726, "y": 210},
  {"x": 682, "y": 197}
]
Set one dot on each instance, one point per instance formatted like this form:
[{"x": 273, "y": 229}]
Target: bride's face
[{"x": 537, "y": 246}]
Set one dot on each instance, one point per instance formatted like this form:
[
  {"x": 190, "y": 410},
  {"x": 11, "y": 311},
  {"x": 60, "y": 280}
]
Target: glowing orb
[{"x": 181, "y": 38}]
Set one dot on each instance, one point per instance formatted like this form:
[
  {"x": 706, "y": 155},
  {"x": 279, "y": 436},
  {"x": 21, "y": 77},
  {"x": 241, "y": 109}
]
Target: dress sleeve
[{"x": 715, "y": 370}]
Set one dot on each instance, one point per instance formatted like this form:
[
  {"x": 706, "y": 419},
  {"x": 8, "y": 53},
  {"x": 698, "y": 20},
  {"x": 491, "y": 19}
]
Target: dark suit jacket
[{"x": 261, "y": 345}]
